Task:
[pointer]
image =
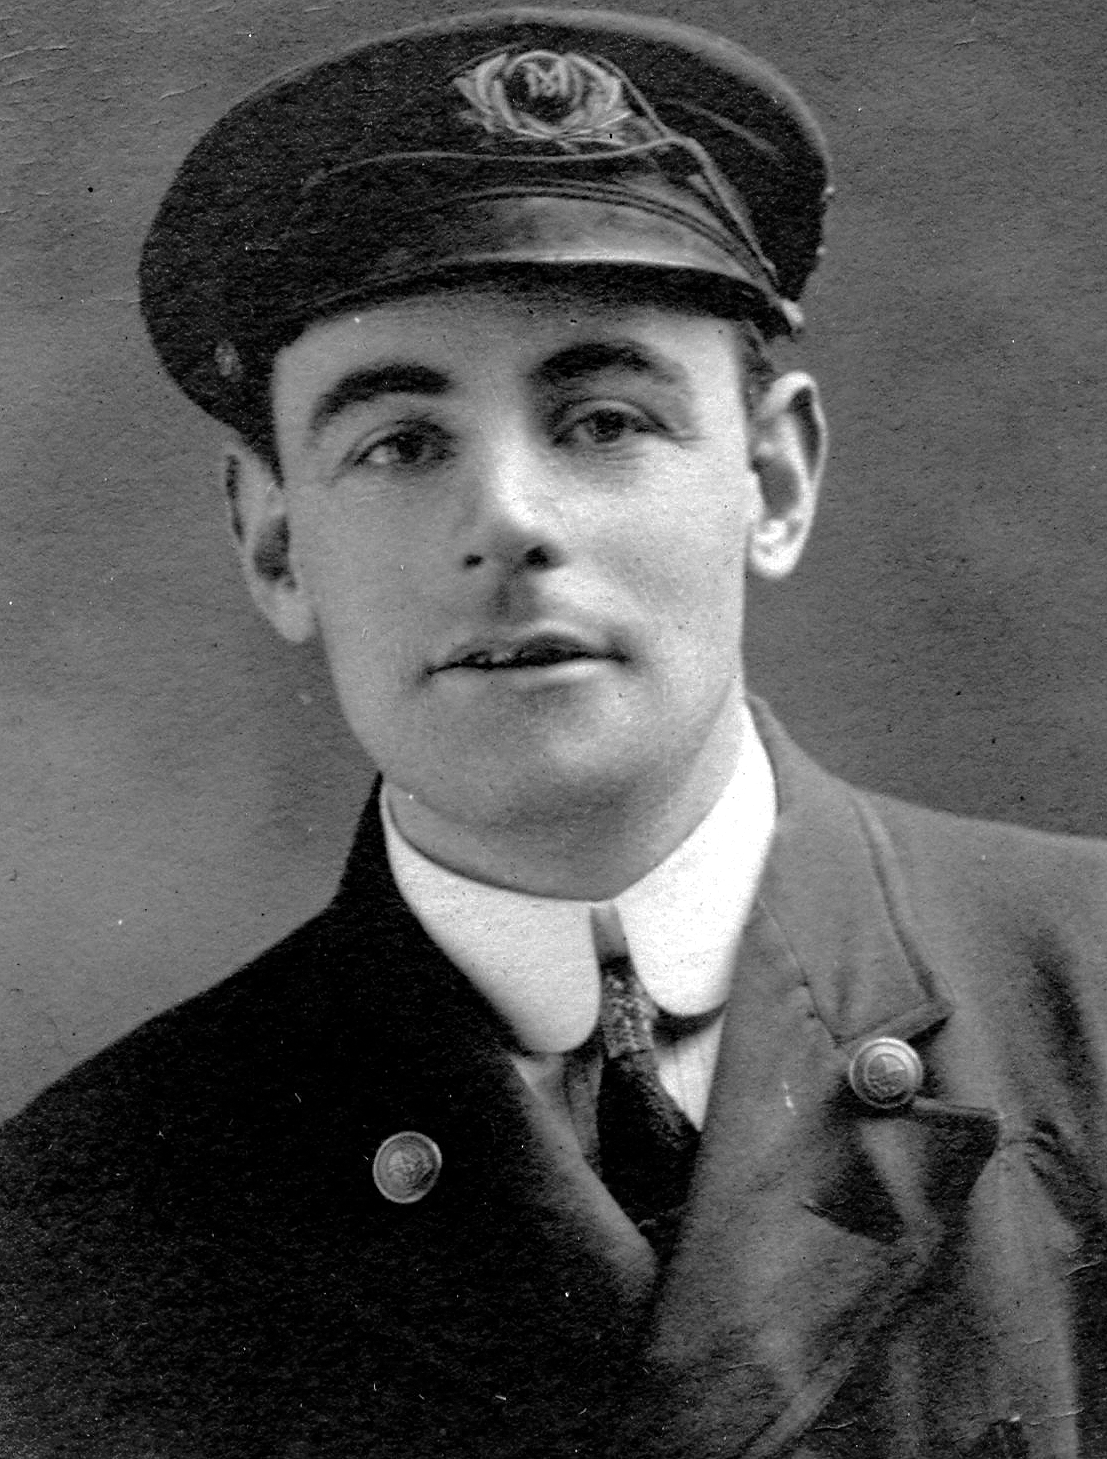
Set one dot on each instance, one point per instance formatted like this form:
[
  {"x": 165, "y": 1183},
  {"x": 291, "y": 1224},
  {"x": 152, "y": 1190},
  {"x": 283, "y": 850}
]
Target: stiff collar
[{"x": 532, "y": 957}]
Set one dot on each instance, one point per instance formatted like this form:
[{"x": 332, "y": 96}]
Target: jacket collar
[
  {"x": 813, "y": 1217},
  {"x": 833, "y": 892}
]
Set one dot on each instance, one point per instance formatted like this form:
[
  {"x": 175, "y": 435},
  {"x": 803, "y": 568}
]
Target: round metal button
[
  {"x": 885, "y": 1073},
  {"x": 406, "y": 1167}
]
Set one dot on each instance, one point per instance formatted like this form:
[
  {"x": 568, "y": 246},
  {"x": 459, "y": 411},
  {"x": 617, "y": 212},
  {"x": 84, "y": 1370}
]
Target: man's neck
[{"x": 584, "y": 852}]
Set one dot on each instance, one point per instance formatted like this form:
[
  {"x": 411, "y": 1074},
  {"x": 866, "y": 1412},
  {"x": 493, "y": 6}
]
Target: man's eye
[
  {"x": 412, "y": 446},
  {"x": 606, "y": 425}
]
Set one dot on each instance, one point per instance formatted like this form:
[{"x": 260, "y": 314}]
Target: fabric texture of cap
[{"x": 504, "y": 140}]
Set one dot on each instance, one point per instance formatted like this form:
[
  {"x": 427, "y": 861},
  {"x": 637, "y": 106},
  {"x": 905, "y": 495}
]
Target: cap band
[{"x": 593, "y": 211}]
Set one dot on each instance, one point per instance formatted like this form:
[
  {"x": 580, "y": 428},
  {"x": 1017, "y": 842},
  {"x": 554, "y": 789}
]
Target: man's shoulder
[
  {"x": 200, "y": 1060},
  {"x": 996, "y": 895},
  {"x": 1005, "y": 848},
  {"x": 946, "y": 848}
]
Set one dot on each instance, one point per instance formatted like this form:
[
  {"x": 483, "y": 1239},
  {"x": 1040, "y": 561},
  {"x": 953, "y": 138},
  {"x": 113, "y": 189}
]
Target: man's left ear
[{"x": 787, "y": 455}]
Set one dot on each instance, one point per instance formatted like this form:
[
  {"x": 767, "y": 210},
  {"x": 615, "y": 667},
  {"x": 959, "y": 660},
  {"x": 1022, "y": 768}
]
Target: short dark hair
[
  {"x": 259, "y": 435},
  {"x": 758, "y": 368}
]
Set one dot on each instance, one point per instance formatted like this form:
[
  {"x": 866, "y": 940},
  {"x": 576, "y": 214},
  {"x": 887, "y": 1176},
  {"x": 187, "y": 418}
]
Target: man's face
[{"x": 520, "y": 521}]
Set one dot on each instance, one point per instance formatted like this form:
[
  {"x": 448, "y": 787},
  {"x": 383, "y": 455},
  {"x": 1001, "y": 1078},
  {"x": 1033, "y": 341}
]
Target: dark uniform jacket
[{"x": 195, "y": 1262}]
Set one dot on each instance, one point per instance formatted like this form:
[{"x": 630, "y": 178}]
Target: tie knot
[{"x": 627, "y": 1012}]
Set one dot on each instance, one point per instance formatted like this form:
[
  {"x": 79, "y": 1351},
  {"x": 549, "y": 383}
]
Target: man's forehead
[{"x": 545, "y": 326}]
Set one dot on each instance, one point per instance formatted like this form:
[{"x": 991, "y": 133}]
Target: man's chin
[{"x": 509, "y": 793}]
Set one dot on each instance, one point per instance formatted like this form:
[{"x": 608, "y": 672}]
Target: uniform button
[
  {"x": 406, "y": 1167},
  {"x": 885, "y": 1073}
]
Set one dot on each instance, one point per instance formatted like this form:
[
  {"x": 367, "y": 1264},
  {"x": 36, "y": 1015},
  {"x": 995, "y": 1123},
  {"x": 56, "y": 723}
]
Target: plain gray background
[{"x": 177, "y": 787}]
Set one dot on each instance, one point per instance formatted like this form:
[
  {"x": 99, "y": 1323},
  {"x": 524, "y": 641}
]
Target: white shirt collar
[{"x": 533, "y": 958}]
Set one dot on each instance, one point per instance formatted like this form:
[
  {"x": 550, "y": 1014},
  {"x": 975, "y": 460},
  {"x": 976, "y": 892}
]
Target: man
[{"x": 644, "y": 1091}]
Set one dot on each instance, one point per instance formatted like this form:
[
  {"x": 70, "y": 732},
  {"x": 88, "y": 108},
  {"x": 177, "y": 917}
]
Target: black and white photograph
[{"x": 554, "y": 693}]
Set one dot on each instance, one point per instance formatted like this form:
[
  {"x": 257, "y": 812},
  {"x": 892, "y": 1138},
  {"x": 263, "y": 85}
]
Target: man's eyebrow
[
  {"x": 359, "y": 387},
  {"x": 596, "y": 356}
]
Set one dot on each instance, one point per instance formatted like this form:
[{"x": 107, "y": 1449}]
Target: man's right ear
[{"x": 258, "y": 512}]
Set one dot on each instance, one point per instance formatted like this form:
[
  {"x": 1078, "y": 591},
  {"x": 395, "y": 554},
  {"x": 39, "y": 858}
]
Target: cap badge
[{"x": 544, "y": 96}]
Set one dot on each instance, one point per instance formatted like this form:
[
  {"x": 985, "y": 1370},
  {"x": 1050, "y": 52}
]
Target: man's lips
[{"x": 534, "y": 649}]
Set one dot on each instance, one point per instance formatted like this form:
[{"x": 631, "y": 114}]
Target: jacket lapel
[
  {"x": 812, "y": 1217},
  {"x": 539, "y": 1240}
]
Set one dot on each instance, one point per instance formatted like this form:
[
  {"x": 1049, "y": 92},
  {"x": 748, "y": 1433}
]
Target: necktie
[{"x": 647, "y": 1145}]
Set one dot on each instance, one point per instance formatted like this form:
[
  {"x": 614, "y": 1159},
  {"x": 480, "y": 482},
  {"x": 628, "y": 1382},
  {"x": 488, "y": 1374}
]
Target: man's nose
[{"x": 514, "y": 517}]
